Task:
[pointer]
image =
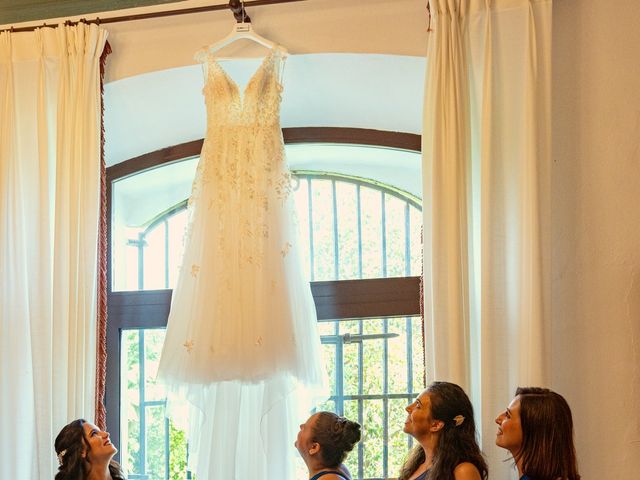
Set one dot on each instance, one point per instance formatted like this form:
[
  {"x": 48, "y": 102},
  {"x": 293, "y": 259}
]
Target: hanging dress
[{"x": 242, "y": 331}]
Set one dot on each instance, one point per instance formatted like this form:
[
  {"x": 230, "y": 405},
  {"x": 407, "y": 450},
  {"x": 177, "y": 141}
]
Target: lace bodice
[
  {"x": 243, "y": 151},
  {"x": 259, "y": 104}
]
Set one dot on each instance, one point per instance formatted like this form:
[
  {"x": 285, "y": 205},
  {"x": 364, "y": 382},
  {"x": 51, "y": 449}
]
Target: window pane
[
  {"x": 353, "y": 460},
  {"x": 301, "y": 198},
  {"x": 373, "y": 438},
  {"x": 138, "y": 201},
  {"x": 321, "y": 214},
  {"x": 348, "y": 230},
  {"x": 329, "y": 359},
  {"x": 156, "y": 430},
  {"x": 373, "y": 368},
  {"x": 130, "y": 401},
  {"x": 415, "y": 221},
  {"x": 155, "y": 268},
  {"x": 175, "y": 247},
  {"x": 395, "y": 236},
  {"x": 153, "y": 339},
  {"x": 371, "y": 201},
  {"x": 398, "y": 440},
  {"x": 367, "y": 366},
  {"x": 397, "y": 356},
  {"x": 151, "y": 447}
]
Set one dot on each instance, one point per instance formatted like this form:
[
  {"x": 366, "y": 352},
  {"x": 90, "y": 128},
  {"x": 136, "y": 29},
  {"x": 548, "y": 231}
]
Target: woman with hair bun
[
  {"x": 441, "y": 421},
  {"x": 537, "y": 428},
  {"x": 86, "y": 453},
  {"x": 324, "y": 441}
]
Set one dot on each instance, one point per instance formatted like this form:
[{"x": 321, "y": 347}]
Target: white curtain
[
  {"x": 50, "y": 124},
  {"x": 486, "y": 196}
]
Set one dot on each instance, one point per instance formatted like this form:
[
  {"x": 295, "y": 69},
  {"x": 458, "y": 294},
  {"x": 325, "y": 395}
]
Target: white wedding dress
[{"x": 242, "y": 338}]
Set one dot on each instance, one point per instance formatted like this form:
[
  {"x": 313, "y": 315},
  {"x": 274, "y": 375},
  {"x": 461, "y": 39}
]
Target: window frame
[{"x": 337, "y": 299}]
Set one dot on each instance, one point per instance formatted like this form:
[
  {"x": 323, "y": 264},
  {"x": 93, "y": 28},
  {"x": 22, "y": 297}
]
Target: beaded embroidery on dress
[{"x": 242, "y": 309}]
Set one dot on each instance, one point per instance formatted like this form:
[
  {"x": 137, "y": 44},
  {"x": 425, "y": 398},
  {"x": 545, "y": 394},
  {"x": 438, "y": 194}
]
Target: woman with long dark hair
[
  {"x": 537, "y": 428},
  {"x": 324, "y": 441},
  {"x": 441, "y": 421},
  {"x": 86, "y": 453}
]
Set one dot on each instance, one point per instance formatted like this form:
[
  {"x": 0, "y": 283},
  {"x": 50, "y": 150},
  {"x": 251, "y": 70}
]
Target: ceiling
[{"x": 16, "y": 11}]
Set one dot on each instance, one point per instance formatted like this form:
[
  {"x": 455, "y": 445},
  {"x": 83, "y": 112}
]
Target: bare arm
[{"x": 466, "y": 471}]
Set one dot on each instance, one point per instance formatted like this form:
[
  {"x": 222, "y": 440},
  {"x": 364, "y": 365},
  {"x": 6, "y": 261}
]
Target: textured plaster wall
[{"x": 596, "y": 230}]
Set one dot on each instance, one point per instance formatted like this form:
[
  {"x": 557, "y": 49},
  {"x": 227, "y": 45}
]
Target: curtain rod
[{"x": 163, "y": 13}]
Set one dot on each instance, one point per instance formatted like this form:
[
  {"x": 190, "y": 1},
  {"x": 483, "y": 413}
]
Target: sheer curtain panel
[
  {"x": 486, "y": 185},
  {"x": 50, "y": 121}
]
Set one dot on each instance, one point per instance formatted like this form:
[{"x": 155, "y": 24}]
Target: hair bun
[
  {"x": 336, "y": 435},
  {"x": 352, "y": 432}
]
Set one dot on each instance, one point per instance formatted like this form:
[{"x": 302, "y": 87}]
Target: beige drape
[
  {"x": 49, "y": 194},
  {"x": 486, "y": 192}
]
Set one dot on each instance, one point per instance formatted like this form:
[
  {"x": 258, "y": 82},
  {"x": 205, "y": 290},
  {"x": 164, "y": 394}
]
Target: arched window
[
  {"x": 350, "y": 228},
  {"x": 357, "y": 230}
]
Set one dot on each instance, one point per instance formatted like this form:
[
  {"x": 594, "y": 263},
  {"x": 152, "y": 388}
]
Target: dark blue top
[
  {"x": 524, "y": 477},
  {"x": 335, "y": 472},
  {"x": 422, "y": 476}
]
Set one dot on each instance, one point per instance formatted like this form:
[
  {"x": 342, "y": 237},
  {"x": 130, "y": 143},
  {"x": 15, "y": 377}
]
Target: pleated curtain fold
[
  {"x": 50, "y": 131},
  {"x": 486, "y": 154}
]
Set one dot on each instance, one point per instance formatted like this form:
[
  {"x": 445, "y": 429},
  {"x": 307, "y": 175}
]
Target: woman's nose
[
  {"x": 499, "y": 419},
  {"x": 408, "y": 408}
]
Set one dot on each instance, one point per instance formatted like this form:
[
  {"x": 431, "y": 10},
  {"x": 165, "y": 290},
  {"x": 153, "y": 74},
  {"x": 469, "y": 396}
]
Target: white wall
[
  {"x": 596, "y": 230},
  {"x": 316, "y": 26}
]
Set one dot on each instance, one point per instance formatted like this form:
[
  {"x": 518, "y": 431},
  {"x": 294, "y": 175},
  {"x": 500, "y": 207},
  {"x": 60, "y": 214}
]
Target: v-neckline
[{"x": 242, "y": 96}]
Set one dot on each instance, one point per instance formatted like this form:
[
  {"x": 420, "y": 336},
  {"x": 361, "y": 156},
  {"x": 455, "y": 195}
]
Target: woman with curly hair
[
  {"x": 441, "y": 421},
  {"x": 324, "y": 441},
  {"x": 86, "y": 453},
  {"x": 537, "y": 428}
]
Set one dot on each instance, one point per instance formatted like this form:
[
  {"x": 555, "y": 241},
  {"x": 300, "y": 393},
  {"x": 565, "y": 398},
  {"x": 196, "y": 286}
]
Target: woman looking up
[
  {"x": 441, "y": 421},
  {"x": 85, "y": 453},
  {"x": 537, "y": 428},
  {"x": 324, "y": 441}
]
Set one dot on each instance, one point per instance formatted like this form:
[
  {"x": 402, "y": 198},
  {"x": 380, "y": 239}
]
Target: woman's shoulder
[
  {"x": 466, "y": 471},
  {"x": 330, "y": 476}
]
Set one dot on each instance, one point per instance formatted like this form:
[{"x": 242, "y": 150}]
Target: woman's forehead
[
  {"x": 312, "y": 419},
  {"x": 424, "y": 397},
  {"x": 89, "y": 427}
]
